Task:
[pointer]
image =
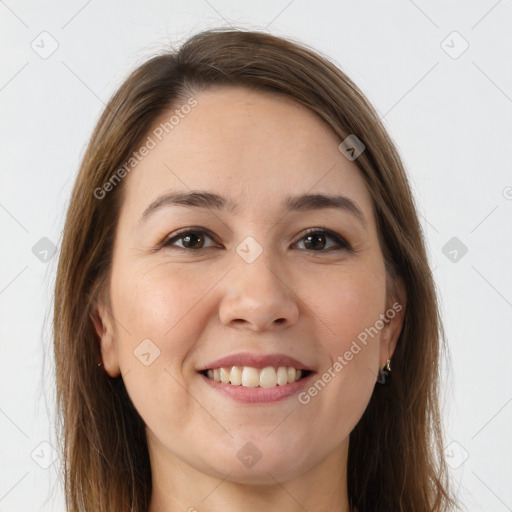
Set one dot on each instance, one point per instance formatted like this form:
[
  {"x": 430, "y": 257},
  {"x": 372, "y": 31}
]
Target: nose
[{"x": 258, "y": 298}]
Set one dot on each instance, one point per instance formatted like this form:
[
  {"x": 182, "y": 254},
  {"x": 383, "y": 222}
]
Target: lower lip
[{"x": 256, "y": 394}]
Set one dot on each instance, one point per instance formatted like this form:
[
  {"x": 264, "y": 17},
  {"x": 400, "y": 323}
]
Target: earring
[
  {"x": 100, "y": 364},
  {"x": 384, "y": 376}
]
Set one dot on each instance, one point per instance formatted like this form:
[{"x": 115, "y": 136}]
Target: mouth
[
  {"x": 255, "y": 377},
  {"x": 251, "y": 377},
  {"x": 250, "y": 385}
]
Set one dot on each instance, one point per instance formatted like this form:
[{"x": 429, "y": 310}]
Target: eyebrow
[{"x": 213, "y": 201}]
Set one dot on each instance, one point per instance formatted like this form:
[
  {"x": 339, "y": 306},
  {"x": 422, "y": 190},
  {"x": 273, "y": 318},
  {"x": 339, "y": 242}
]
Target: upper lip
[{"x": 255, "y": 361}]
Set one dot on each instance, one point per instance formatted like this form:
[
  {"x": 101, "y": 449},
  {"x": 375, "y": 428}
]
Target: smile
[
  {"x": 248, "y": 376},
  {"x": 256, "y": 386}
]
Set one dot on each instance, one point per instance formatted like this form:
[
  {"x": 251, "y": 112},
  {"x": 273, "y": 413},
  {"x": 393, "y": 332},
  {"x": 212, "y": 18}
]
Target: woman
[{"x": 242, "y": 270}]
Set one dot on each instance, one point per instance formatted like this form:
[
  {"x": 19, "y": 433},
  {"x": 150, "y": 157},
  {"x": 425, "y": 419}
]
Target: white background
[{"x": 450, "y": 117}]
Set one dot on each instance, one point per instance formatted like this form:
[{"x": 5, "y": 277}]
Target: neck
[{"x": 178, "y": 486}]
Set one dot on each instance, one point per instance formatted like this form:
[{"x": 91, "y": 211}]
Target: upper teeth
[{"x": 252, "y": 377}]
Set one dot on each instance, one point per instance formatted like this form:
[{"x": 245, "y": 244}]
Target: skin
[{"x": 256, "y": 149}]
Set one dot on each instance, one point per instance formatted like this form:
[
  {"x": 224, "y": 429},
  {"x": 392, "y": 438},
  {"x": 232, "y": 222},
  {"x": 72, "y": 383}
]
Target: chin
[
  {"x": 262, "y": 473},
  {"x": 258, "y": 462}
]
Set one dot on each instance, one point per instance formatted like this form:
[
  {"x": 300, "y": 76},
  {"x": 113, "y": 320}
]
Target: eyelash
[{"x": 342, "y": 243}]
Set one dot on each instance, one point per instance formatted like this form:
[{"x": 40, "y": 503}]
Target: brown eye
[
  {"x": 192, "y": 239},
  {"x": 316, "y": 240}
]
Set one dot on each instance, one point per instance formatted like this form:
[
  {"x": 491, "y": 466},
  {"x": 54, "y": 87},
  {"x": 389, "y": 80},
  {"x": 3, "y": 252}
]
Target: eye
[
  {"x": 315, "y": 240},
  {"x": 193, "y": 239}
]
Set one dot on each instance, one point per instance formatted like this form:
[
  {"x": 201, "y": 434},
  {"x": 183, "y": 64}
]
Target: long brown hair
[{"x": 395, "y": 460}]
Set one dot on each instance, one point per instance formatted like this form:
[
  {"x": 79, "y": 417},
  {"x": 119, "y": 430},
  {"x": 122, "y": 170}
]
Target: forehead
[{"x": 251, "y": 146}]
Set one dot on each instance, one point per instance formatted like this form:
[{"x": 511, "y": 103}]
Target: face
[{"x": 272, "y": 282}]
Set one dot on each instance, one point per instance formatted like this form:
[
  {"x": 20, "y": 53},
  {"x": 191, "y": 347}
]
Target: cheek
[
  {"x": 160, "y": 304},
  {"x": 346, "y": 313},
  {"x": 163, "y": 306},
  {"x": 160, "y": 299},
  {"x": 346, "y": 304}
]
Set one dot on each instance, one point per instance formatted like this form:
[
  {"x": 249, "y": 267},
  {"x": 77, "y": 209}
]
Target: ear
[
  {"x": 104, "y": 327},
  {"x": 393, "y": 323}
]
